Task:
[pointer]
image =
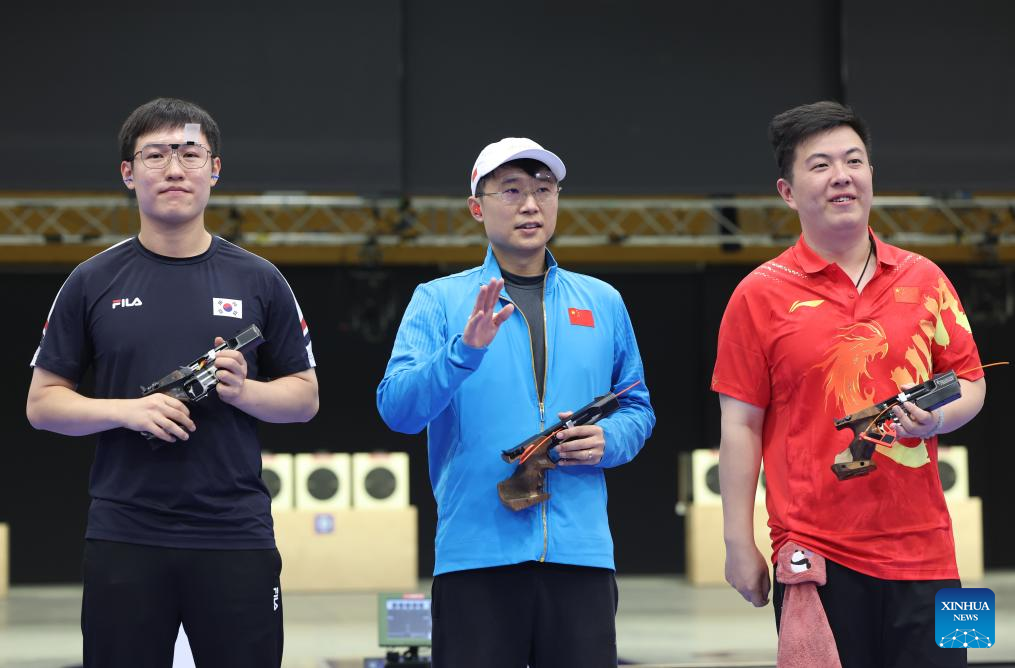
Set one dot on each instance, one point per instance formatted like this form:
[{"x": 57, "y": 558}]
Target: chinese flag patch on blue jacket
[{"x": 580, "y": 316}]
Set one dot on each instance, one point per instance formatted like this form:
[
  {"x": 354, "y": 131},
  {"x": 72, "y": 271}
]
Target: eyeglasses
[
  {"x": 189, "y": 155},
  {"x": 516, "y": 196}
]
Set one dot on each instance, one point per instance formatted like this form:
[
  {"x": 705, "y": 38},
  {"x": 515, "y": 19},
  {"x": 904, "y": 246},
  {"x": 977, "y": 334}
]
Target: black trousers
[
  {"x": 533, "y": 614},
  {"x": 136, "y": 597},
  {"x": 881, "y": 623}
]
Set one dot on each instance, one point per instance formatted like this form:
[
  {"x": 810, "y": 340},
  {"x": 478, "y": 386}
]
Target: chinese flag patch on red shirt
[
  {"x": 580, "y": 316},
  {"x": 906, "y": 295}
]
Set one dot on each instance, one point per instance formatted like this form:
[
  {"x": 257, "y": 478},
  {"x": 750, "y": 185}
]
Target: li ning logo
[{"x": 126, "y": 302}]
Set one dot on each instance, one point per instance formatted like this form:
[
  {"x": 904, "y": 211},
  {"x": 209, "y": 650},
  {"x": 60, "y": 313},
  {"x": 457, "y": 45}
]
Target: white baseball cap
[{"x": 513, "y": 148}]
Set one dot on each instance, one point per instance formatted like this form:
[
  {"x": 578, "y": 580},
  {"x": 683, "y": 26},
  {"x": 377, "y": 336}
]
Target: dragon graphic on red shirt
[{"x": 856, "y": 347}]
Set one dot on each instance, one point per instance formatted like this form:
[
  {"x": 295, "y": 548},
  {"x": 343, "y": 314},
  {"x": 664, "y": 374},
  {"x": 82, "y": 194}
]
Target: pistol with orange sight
[
  {"x": 527, "y": 485},
  {"x": 875, "y": 425}
]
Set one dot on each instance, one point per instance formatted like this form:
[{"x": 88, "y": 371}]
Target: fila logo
[
  {"x": 274, "y": 599},
  {"x": 124, "y": 302}
]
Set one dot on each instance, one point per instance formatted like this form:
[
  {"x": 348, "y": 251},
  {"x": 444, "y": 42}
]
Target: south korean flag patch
[{"x": 229, "y": 308}]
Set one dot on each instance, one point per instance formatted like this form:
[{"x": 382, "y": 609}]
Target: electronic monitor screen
[{"x": 403, "y": 620}]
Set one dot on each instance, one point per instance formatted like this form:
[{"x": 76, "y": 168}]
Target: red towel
[{"x": 805, "y": 639}]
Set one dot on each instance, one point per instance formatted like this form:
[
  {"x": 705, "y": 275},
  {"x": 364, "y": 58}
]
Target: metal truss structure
[{"x": 356, "y": 230}]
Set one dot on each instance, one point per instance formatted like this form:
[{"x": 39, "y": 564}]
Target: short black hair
[
  {"x": 166, "y": 113},
  {"x": 794, "y": 126},
  {"x": 528, "y": 165}
]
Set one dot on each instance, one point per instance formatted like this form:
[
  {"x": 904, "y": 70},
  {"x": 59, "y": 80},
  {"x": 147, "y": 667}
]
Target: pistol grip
[
  {"x": 861, "y": 449},
  {"x": 526, "y": 487},
  {"x": 854, "y": 469}
]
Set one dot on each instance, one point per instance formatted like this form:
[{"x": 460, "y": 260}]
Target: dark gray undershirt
[{"x": 527, "y": 294}]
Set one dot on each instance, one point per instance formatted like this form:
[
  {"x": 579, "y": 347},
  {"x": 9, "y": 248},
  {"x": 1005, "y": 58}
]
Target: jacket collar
[{"x": 491, "y": 269}]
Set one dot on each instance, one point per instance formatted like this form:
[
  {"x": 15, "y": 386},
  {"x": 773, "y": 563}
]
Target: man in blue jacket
[{"x": 534, "y": 587}]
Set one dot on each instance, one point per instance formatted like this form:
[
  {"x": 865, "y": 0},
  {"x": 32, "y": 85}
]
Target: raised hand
[{"x": 484, "y": 323}]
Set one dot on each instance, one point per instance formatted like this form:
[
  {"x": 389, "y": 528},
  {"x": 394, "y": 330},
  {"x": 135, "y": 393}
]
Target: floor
[{"x": 662, "y": 621}]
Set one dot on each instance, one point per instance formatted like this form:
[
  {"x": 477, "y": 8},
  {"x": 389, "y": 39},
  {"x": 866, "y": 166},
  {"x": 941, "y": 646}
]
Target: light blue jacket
[{"x": 478, "y": 402}]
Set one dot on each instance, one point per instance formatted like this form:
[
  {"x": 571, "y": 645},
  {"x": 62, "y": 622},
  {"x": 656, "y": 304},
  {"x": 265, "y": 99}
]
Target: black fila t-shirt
[{"x": 132, "y": 317}]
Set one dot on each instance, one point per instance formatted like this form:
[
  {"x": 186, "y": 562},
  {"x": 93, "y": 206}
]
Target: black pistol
[{"x": 193, "y": 381}]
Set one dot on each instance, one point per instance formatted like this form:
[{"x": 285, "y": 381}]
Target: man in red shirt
[{"x": 836, "y": 323}]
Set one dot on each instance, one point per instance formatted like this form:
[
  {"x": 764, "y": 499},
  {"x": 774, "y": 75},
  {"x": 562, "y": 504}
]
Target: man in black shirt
[{"x": 180, "y": 533}]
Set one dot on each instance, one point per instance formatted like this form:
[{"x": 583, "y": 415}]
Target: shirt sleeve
[
  {"x": 287, "y": 347},
  {"x": 741, "y": 366},
  {"x": 427, "y": 365},
  {"x": 626, "y": 431},
  {"x": 952, "y": 347},
  {"x": 65, "y": 348}
]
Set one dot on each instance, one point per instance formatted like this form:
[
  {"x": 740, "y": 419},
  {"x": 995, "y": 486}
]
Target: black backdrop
[
  {"x": 353, "y": 315},
  {"x": 398, "y": 96}
]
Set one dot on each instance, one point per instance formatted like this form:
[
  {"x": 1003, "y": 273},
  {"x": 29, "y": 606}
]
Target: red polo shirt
[{"x": 798, "y": 340}]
